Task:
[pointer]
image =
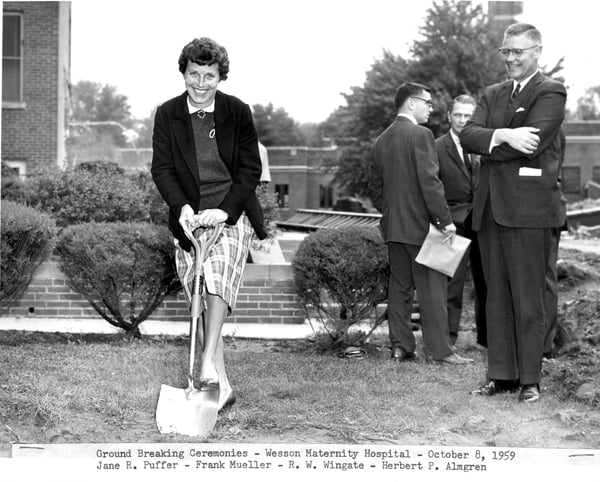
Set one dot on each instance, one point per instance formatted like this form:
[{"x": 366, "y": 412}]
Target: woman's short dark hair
[
  {"x": 205, "y": 51},
  {"x": 408, "y": 89}
]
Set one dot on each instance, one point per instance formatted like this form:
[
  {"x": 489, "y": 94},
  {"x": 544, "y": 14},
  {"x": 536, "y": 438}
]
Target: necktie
[
  {"x": 467, "y": 159},
  {"x": 515, "y": 92}
]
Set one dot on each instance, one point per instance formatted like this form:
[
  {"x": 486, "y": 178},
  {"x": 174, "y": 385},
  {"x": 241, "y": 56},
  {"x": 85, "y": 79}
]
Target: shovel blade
[{"x": 185, "y": 412}]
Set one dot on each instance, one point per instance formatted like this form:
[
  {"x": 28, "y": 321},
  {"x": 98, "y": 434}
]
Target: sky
[{"x": 299, "y": 55}]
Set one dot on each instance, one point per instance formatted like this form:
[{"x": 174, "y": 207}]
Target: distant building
[
  {"x": 582, "y": 159},
  {"x": 302, "y": 177}
]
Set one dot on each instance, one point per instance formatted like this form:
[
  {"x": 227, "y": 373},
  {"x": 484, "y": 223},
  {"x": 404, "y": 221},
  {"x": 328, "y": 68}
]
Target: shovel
[{"x": 191, "y": 411}]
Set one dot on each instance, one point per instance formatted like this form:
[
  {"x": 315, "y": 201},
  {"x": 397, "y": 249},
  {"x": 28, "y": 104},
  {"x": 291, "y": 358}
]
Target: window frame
[{"x": 18, "y": 104}]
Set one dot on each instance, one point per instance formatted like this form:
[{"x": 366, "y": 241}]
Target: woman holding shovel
[{"x": 206, "y": 166}]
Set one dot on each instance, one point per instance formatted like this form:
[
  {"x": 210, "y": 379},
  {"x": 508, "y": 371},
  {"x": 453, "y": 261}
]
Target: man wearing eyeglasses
[
  {"x": 405, "y": 187},
  {"x": 516, "y": 207}
]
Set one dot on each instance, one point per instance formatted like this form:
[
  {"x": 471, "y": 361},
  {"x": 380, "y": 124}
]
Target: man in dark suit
[
  {"x": 516, "y": 206},
  {"x": 405, "y": 187},
  {"x": 459, "y": 172}
]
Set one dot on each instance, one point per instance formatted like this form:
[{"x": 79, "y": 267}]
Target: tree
[
  {"x": 369, "y": 110},
  {"x": 99, "y": 111},
  {"x": 456, "y": 55},
  {"x": 275, "y": 126},
  {"x": 588, "y": 105},
  {"x": 144, "y": 128}
]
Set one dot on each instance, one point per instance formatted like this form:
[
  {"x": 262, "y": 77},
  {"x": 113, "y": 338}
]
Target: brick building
[
  {"x": 302, "y": 177},
  {"x": 36, "y": 59},
  {"x": 582, "y": 158}
]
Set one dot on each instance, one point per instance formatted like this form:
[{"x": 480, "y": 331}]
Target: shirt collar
[
  {"x": 524, "y": 82},
  {"x": 409, "y": 117},
  {"x": 456, "y": 140},
  {"x": 193, "y": 110}
]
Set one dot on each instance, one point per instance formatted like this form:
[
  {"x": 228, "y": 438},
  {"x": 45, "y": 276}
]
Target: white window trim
[{"x": 20, "y": 165}]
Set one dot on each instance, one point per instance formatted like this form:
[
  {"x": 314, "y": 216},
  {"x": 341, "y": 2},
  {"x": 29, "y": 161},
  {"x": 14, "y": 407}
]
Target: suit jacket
[
  {"x": 175, "y": 167},
  {"x": 518, "y": 200},
  {"x": 404, "y": 183},
  {"x": 459, "y": 183}
]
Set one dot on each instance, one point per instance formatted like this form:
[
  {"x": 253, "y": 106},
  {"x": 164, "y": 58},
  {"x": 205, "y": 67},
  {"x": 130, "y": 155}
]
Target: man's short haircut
[
  {"x": 408, "y": 89},
  {"x": 523, "y": 28},
  {"x": 462, "y": 99}
]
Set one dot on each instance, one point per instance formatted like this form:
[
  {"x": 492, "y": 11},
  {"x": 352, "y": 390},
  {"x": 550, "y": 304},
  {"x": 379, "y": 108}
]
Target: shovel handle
[{"x": 196, "y": 310}]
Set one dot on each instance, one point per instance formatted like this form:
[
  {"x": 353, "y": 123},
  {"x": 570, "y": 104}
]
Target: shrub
[
  {"x": 341, "y": 275},
  {"x": 123, "y": 269},
  {"x": 27, "y": 238},
  {"x": 157, "y": 207},
  {"x": 87, "y": 193}
]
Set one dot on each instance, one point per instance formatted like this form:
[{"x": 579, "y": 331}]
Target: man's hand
[
  {"x": 449, "y": 232},
  {"x": 523, "y": 139}
]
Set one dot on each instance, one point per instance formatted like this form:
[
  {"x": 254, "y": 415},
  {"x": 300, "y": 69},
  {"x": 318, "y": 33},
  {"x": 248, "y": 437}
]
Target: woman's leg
[{"x": 213, "y": 360}]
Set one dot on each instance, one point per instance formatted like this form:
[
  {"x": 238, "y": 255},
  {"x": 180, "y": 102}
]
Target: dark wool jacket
[{"x": 174, "y": 165}]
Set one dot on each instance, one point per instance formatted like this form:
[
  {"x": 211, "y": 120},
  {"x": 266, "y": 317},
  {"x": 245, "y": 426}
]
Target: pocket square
[{"x": 520, "y": 109}]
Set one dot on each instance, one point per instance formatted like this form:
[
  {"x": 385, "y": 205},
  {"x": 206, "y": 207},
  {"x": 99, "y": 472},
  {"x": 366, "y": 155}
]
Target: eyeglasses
[
  {"x": 428, "y": 102},
  {"x": 516, "y": 52}
]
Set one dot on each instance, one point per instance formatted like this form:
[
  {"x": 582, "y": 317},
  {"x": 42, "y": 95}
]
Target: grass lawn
[
  {"x": 73, "y": 391},
  {"x": 103, "y": 389}
]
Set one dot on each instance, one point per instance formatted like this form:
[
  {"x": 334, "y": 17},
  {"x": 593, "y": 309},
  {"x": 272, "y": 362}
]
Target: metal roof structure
[{"x": 314, "y": 219}]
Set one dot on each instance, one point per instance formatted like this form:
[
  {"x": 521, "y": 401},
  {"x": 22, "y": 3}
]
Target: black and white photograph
[{"x": 284, "y": 239}]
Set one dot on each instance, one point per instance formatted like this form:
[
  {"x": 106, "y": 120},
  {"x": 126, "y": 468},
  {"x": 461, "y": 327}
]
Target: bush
[
  {"x": 87, "y": 193},
  {"x": 341, "y": 275},
  {"x": 157, "y": 207},
  {"x": 27, "y": 238},
  {"x": 123, "y": 269}
]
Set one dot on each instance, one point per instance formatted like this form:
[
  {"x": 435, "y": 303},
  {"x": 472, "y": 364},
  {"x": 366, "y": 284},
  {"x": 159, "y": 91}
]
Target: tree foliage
[
  {"x": 275, "y": 126},
  {"x": 588, "y": 105},
  {"x": 99, "y": 112}
]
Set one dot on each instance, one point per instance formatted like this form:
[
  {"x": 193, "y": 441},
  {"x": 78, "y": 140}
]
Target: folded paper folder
[{"x": 440, "y": 256}]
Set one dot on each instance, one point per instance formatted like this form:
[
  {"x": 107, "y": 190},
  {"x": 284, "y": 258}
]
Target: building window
[
  {"x": 17, "y": 168},
  {"x": 283, "y": 195},
  {"x": 12, "y": 58},
  {"x": 326, "y": 196},
  {"x": 596, "y": 174},
  {"x": 571, "y": 179}
]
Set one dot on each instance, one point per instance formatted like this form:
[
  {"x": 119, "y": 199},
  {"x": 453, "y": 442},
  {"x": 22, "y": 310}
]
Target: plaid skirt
[{"x": 224, "y": 263}]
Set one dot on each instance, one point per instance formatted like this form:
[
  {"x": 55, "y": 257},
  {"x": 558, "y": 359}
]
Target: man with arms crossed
[
  {"x": 405, "y": 187},
  {"x": 516, "y": 206}
]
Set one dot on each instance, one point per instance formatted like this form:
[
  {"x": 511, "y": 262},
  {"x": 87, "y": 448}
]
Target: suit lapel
[
  {"x": 455, "y": 156},
  {"x": 522, "y": 100},
  {"x": 182, "y": 127}
]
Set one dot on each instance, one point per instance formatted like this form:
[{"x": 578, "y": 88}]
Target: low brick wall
[{"x": 267, "y": 295}]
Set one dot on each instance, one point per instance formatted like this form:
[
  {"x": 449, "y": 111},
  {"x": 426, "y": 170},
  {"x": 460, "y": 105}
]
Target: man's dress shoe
[
  {"x": 400, "y": 354},
  {"x": 492, "y": 387},
  {"x": 529, "y": 393}
]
